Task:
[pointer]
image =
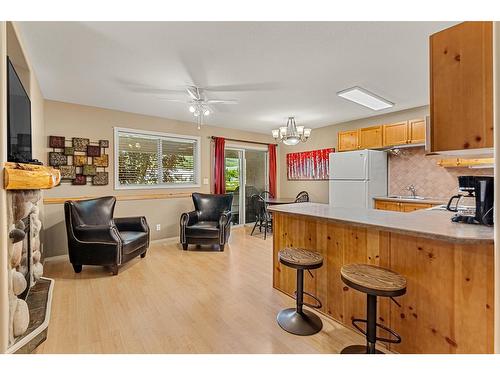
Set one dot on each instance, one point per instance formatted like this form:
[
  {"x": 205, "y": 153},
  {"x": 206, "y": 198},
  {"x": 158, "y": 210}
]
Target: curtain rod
[{"x": 241, "y": 140}]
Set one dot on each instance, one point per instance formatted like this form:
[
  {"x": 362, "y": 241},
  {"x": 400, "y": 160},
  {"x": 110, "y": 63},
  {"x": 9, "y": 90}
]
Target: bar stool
[
  {"x": 296, "y": 320},
  {"x": 375, "y": 282}
]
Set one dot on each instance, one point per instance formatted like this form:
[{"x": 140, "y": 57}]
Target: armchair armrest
[
  {"x": 104, "y": 234},
  {"x": 225, "y": 218},
  {"x": 132, "y": 224},
  {"x": 189, "y": 218}
]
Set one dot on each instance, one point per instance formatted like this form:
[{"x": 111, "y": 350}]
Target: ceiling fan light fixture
[{"x": 365, "y": 98}]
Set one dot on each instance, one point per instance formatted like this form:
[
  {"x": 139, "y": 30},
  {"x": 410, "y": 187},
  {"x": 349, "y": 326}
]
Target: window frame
[{"x": 197, "y": 159}]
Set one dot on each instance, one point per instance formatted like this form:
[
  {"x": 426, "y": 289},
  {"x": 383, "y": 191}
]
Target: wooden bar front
[{"x": 448, "y": 307}]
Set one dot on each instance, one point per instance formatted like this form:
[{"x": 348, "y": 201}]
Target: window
[{"x": 155, "y": 160}]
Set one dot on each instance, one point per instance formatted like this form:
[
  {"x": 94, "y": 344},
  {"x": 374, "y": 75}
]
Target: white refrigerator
[{"x": 356, "y": 177}]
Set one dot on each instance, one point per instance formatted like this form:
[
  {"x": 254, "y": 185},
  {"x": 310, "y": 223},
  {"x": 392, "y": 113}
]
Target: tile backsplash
[{"x": 412, "y": 167}]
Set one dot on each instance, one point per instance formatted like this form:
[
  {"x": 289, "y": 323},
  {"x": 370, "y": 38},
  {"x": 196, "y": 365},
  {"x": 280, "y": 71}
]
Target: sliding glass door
[{"x": 246, "y": 174}]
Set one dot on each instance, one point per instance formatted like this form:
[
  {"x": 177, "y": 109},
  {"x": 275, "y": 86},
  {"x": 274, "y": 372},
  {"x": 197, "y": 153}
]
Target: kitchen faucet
[{"x": 413, "y": 191}]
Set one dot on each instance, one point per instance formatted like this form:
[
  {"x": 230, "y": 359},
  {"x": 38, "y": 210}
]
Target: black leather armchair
[
  {"x": 209, "y": 223},
  {"x": 95, "y": 238}
]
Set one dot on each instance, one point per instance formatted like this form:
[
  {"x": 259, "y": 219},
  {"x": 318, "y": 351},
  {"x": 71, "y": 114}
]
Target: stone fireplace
[
  {"x": 29, "y": 294},
  {"x": 25, "y": 255}
]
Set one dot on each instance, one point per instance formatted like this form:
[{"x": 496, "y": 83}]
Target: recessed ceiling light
[{"x": 366, "y": 98}]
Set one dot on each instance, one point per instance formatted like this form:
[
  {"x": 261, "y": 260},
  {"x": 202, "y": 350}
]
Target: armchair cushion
[
  {"x": 203, "y": 229},
  {"x": 133, "y": 240}
]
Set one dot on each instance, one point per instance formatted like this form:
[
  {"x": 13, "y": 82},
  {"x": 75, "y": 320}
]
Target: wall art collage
[{"x": 80, "y": 160}]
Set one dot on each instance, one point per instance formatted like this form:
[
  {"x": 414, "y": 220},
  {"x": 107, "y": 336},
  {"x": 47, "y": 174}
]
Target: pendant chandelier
[{"x": 291, "y": 134}]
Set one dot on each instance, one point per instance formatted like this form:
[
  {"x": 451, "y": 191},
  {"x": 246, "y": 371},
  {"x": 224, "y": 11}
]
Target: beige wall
[
  {"x": 327, "y": 137},
  {"x": 11, "y": 44},
  {"x": 71, "y": 120}
]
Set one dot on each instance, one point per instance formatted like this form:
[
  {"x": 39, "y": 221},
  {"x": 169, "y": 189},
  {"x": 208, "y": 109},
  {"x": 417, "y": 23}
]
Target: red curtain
[
  {"x": 272, "y": 170},
  {"x": 219, "y": 183}
]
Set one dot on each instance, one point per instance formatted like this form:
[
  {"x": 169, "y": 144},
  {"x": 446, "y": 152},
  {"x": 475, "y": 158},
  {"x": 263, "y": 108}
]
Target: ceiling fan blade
[
  {"x": 148, "y": 89},
  {"x": 175, "y": 100},
  {"x": 193, "y": 92},
  {"x": 262, "y": 86},
  {"x": 222, "y": 101}
]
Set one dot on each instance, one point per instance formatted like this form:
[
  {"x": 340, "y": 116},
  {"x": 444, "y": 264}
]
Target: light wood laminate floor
[{"x": 175, "y": 301}]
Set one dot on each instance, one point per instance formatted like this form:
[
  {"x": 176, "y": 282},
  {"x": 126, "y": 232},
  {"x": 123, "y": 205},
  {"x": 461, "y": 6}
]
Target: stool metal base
[
  {"x": 358, "y": 349},
  {"x": 304, "y": 324}
]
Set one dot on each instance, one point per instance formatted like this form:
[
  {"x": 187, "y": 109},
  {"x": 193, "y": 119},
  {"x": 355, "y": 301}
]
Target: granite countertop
[
  {"x": 433, "y": 224},
  {"x": 409, "y": 200}
]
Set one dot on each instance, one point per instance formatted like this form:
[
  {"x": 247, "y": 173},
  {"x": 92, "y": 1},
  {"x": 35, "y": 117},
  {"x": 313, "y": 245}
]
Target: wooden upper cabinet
[
  {"x": 461, "y": 87},
  {"x": 416, "y": 131},
  {"x": 370, "y": 137},
  {"x": 347, "y": 140},
  {"x": 396, "y": 134}
]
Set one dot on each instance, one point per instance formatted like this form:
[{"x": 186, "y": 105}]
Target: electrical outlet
[
  {"x": 205, "y": 181},
  {"x": 158, "y": 227}
]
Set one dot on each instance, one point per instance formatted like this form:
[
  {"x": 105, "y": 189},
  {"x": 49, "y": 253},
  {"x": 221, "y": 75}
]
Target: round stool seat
[
  {"x": 300, "y": 258},
  {"x": 373, "y": 280}
]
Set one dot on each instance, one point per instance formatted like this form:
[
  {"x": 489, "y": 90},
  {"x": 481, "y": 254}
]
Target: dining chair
[{"x": 303, "y": 196}]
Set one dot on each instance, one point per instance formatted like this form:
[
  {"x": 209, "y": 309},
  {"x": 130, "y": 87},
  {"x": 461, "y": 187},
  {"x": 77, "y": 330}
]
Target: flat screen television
[{"x": 18, "y": 118}]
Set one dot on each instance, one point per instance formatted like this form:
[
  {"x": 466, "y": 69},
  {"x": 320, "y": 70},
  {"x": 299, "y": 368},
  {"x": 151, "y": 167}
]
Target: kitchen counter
[
  {"x": 432, "y": 224},
  {"x": 449, "y": 303},
  {"x": 436, "y": 201}
]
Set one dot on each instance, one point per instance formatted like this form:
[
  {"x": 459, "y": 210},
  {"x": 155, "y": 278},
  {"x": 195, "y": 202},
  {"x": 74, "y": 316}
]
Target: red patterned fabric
[
  {"x": 272, "y": 170},
  {"x": 219, "y": 182}
]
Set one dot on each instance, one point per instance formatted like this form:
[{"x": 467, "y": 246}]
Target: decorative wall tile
[
  {"x": 80, "y": 144},
  {"x": 80, "y": 160},
  {"x": 69, "y": 151},
  {"x": 56, "y": 141},
  {"x": 101, "y": 161},
  {"x": 104, "y": 143},
  {"x": 101, "y": 178},
  {"x": 413, "y": 167},
  {"x": 57, "y": 158},
  {"x": 68, "y": 172},
  {"x": 89, "y": 170},
  {"x": 93, "y": 150},
  {"x": 80, "y": 179}
]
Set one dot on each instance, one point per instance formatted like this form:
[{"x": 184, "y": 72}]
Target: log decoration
[{"x": 18, "y": 176}]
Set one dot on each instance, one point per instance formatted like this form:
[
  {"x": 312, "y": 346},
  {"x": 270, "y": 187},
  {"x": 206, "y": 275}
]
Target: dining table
[{"x": 275, "y": 201}]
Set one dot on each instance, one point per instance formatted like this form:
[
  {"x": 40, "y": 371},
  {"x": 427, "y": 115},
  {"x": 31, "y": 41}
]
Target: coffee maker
[{"x": 474, "y": 203}]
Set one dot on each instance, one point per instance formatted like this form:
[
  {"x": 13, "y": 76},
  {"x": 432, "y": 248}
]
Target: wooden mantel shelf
[{"x": 18, "y": 176}]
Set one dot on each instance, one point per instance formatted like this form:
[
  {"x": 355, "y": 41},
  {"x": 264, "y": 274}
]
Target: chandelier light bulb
[
  {"x": 206, "y": 112},
  {"x": 192, "y": 109}
]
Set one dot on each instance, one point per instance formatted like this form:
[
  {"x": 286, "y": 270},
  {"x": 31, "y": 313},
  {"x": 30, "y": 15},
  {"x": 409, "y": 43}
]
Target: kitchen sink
[{"x": 416, "y": 197}]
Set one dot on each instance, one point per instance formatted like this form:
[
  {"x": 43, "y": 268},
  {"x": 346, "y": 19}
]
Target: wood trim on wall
[{"x": 135, "y": 197}]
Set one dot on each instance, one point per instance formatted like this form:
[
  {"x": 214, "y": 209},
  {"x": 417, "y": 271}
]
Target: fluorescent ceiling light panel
[{"x": 366, "y": 98}]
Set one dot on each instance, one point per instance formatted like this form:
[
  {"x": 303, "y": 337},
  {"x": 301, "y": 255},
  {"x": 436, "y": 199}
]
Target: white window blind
[{"x": 148, "y": 160}]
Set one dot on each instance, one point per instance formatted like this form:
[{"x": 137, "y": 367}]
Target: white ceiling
[{"x": 286, "y": 68}]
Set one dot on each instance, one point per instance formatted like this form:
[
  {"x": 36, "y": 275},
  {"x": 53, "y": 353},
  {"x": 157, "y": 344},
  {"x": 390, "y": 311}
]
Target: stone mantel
[{"x": 19, "y": 176}]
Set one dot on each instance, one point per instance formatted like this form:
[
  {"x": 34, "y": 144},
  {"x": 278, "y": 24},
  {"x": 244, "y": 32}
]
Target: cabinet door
[
  {"x": 409, "y": 207},
  {"x": 396, "y": 134},
  {"x": 370, "y": 137},
  {"x": 416, "y": 130},
  {"x": 461, "y": 90},
  {"x": 388, "y": 205},
  {"x": 347, "y": 140}
]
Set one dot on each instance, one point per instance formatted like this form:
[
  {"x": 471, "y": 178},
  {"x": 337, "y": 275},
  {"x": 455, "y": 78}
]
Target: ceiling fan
[{"x": 198, "y": 104}]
